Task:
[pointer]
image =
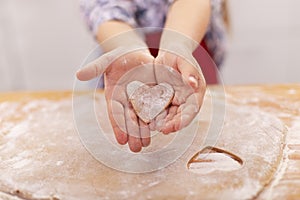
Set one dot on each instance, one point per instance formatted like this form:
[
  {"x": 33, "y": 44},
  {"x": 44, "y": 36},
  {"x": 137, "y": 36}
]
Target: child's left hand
[{"x": 189, "y": 86}]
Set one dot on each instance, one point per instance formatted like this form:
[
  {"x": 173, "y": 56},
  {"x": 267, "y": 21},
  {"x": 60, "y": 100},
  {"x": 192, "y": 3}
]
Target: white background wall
[
  {"x": 265, "y": 42},
  {"x": 43, "y": 42}
]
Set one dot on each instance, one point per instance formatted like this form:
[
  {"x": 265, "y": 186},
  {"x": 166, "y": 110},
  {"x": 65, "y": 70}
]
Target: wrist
[
  {"x": 126, "y": 37},
  {"x": 177, "y": 42}
]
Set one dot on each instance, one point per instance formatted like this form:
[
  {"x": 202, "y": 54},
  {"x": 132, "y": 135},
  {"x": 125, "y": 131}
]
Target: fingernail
[{"x": 193, "y": 81}]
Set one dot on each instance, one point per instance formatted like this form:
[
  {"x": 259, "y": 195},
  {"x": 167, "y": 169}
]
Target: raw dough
[{"x": 42, "y": 157}]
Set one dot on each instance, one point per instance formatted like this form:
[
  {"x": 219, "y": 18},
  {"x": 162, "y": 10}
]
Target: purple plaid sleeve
[
  {"x": 146, "y": 13},
  {"x": 98, "y": 11}
]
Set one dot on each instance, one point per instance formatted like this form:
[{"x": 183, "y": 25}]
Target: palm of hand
[
  {"x": 189, "y": 86},
  {"x": 127, "y": 126}
]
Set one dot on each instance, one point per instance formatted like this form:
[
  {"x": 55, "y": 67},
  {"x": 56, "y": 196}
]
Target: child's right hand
[{"x": 128, "y": 128}]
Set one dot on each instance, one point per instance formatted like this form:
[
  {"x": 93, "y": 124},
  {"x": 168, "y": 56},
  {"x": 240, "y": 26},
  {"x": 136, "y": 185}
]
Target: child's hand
[
  {"x": 189, "y": 86},
  {"x": 126, "y": 124}
]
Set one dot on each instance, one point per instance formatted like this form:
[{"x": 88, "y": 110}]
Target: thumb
[
  {"x": 190, "y": 74},
  {"x": 95, "y": 68}
]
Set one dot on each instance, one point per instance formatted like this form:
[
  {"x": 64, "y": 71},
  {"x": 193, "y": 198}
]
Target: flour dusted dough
[
  {"x": 42, "y": 157},
  {"x": 148, "y": 101}
]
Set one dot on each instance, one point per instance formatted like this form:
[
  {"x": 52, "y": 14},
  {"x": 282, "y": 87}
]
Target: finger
[
  {"x": 172, "y": 112},
  {"x": 135, "y": 144},
  {"x": 132, "y": 127},
  {"x": 191, "y": 74},
  {"x": 169, "y": 127},
  {"x": 166, "y": 128},
  {"x": 152, "y": 125},
  {"x": 117, "y": 120},
  {"x": 185, "y": 113},
  {"x": 145, "y": 133},
  {"x": 181, "y": 93},
  {"x": 160, "y": 120},
  {"x": 96, "y": 67}
]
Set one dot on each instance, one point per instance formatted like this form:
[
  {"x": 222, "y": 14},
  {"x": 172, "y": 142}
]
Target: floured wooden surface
[
  {"x": 42, "y": 157},
  {"x": 282, "y": 101}
]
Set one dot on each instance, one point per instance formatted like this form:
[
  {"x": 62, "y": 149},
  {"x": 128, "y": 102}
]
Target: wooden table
[{"x": 282, "y": 101}]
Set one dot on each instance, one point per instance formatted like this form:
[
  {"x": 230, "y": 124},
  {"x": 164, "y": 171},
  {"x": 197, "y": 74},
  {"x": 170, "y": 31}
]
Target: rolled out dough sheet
[{"x": 42, "y": 157}]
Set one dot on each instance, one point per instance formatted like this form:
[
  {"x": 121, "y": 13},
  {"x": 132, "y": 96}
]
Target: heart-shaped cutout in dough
[{"x": 147, "y": 101}]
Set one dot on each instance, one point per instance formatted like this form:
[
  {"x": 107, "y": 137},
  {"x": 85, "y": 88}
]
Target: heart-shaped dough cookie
[{"x": 148, "y": 101}]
